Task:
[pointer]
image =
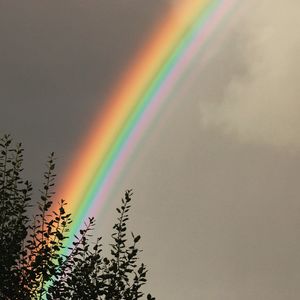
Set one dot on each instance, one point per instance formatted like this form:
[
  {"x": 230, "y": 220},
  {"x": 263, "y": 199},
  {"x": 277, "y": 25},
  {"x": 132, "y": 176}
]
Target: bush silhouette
[{"x": 32, "y": 262}]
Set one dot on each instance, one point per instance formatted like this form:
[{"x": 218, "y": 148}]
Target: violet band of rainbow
[{"x": 138, "y": 98}]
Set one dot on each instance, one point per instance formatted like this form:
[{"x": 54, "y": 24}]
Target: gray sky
[{"x": 216, "y": 183}]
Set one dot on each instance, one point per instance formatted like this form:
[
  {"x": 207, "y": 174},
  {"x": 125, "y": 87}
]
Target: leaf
[{"x": 137, "y": 238}]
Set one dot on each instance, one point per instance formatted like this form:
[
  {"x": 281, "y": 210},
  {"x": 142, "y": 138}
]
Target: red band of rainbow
[{"x": 136, "y": 99}]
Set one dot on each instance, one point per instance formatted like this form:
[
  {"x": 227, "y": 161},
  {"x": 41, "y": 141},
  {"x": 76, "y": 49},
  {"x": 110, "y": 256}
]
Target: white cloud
[{"x": 263, "y": 106}]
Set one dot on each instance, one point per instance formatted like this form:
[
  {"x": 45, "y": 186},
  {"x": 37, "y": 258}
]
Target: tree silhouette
[{"x": 32, "y": 262}]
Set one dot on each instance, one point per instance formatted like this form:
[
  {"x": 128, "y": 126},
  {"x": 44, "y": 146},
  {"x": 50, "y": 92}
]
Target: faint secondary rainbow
[{"x": 134, "y": 102}]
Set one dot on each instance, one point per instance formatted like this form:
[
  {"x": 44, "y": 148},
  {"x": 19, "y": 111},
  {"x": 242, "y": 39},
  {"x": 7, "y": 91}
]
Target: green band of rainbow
[{"x": 135, "y": 101}]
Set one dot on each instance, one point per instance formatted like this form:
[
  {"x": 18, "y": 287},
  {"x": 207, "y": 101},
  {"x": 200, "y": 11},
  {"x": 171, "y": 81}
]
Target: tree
[{"x": 32, "y": 263}]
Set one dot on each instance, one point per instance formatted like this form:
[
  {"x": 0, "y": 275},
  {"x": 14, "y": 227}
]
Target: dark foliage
[{"x": 32, "y": 265}]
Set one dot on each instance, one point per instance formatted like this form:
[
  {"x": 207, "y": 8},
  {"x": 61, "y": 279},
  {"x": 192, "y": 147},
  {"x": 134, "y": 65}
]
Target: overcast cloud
[
  {"x": 216, "y": 192},
  {"x": 262, "y": 105}
]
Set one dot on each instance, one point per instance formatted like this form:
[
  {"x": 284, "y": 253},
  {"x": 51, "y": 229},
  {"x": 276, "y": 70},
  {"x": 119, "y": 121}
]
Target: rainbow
[{"x": 143, "y": 90}]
